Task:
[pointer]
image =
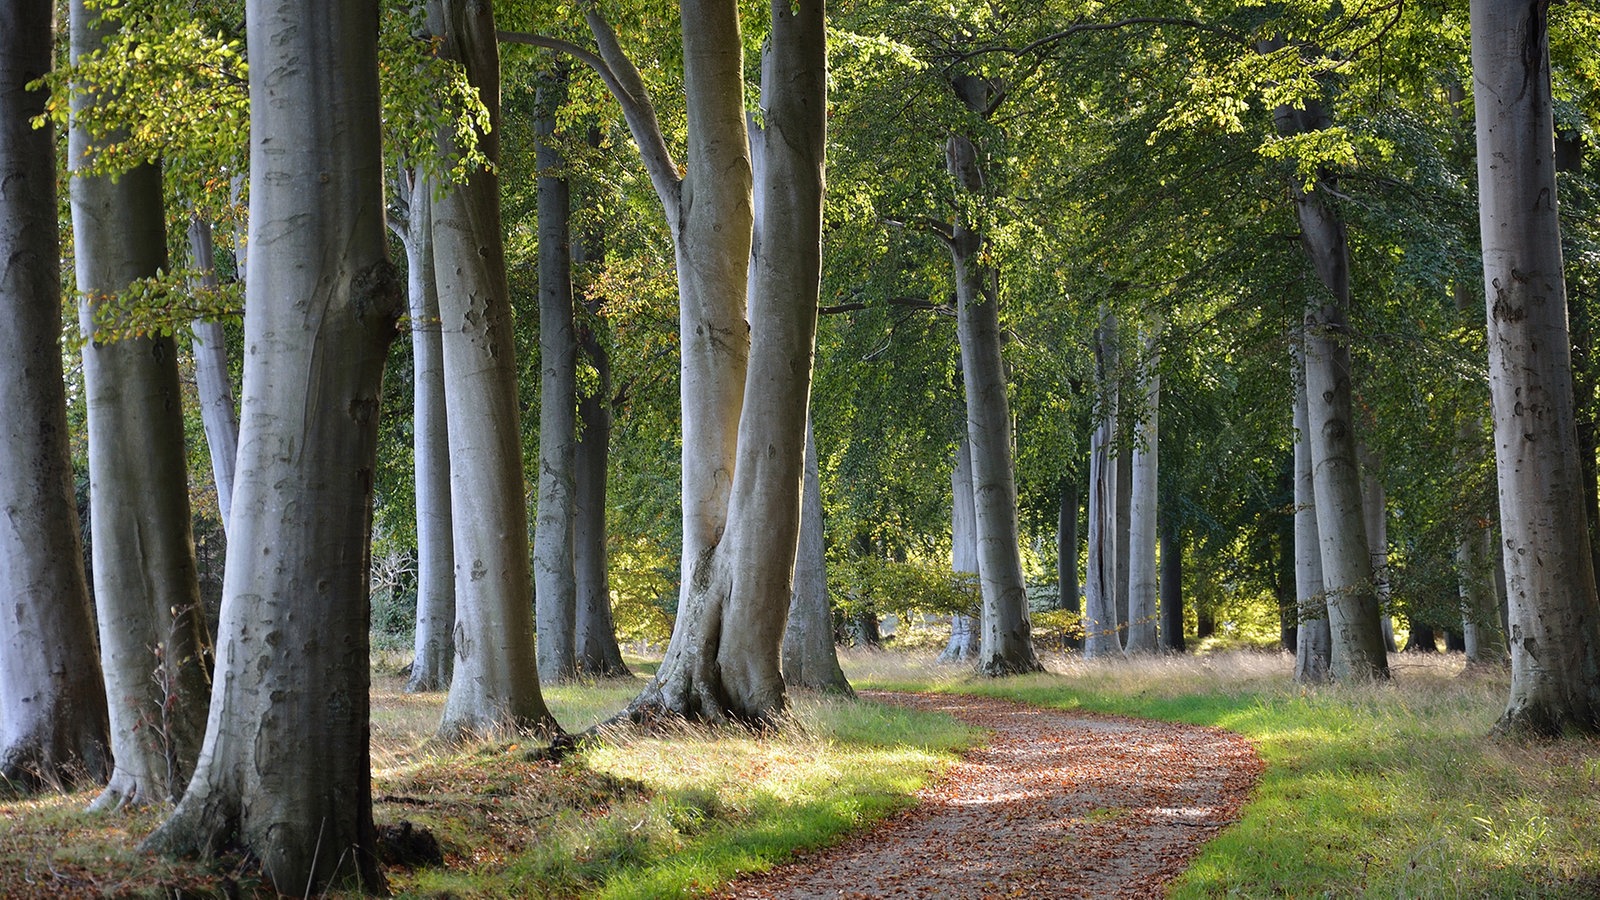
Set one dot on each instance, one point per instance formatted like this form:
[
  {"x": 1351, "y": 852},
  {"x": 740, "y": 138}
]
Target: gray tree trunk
[
  {"x": 963, "y": 643},
  {"x": 1554, "y": 613},
  {"x": 322, "y": 306},
  {"x": 53, "y": 725},
  {"x": 212, "y": 379},
  {"x": 1101, "y": 634},
  {"x": 433, "y": 645},
  {"x": 1358, "y": 651},
  {"x": 1313, "y": 640},
  {"x": 810, "y": 659},
  {"x": 496, "y": 681},
  {"x": 1143, "y": 577},
  {"x": 1375, "y": 518},
  {"x": 151, "y": 625},
  {"x": 1171, "y": 584},
  {"x": 595, "y": 628},
  {"x": 555, "y": 581}
]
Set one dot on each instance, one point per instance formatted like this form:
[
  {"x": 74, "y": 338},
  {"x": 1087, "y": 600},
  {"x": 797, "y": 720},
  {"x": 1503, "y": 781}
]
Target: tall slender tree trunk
[
  {"x": 1171, "y": 583},
  {"x": 1101, "y": 635},
  {"x": 810, "y": 659},
  {"x": 212, "y": 379},
  {"x": 433, "y": 646},
  {"x": 963, "y": 643},
  {"x": 1313, "y": 638},
  {"x": 1554, "y": 612},
  {"x": 321, "y": 310},
  {"x": 1375, "y": 518},
  {"x": 595, "y": 628},
  {"x": 1068, "y": 586},
  {"x": 53, "y": 724},
  {"x": 1358, "y": 650},
  {"x": 555, "y": 580},
  {"x": 151, "y": 625},
  {"x": 1143, "y": 576},
  {"x": 496, "y": 679}
]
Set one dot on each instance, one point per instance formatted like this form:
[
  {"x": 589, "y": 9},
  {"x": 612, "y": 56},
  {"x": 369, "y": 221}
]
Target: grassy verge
[{"x": 1390, "y": 790}]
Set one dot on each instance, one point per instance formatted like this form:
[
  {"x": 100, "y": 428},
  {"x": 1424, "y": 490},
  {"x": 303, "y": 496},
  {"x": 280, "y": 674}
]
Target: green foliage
[{"x": 870, "y": 585}]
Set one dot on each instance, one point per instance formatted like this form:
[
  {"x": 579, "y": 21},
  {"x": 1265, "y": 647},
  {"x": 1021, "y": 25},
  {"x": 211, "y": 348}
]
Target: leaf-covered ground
[{"x": 1057, "y": 804}]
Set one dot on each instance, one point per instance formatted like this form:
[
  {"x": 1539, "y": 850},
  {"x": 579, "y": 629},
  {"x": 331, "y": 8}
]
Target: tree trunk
[
  {"x": 594, "y": 630},
  {"x": 1358, "y": 651},
  {"x": 1375, "y": 518},
  {"x": 555, "y": 581},
  {"x": 433, "y": 656},
  {"x": 1171, "y": 584},
  {"x": 1422, "y": 639},
  {"x": 1068, "y": 587},
  {"x": 53, "y": 725},
  {"x": 744, "y": 404},
  {"x": 963, "y": 643},
  {"x": 151, "y": 624},
  {"x": 322, "y": 306},
  {"x": 496, "y": 680},
  {"x": 809, "y": 657},
  {"x": 212, "y": 379},
  {"x": 1554, "y": 613},
  {"x": 1313, "y": 638},
  {"x": 1100, "y": 612},
  {"x": 1143, "y": 577}
]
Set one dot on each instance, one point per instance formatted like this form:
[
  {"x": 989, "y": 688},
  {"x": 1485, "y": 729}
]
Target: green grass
[{"x": 1379, "y": 790}]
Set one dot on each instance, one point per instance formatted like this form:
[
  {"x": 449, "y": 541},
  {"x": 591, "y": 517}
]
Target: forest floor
[{"x": 1054, "y": 803}]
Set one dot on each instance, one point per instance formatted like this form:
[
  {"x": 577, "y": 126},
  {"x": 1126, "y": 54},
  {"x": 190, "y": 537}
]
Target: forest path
[{"x": 1054, "y": 804}]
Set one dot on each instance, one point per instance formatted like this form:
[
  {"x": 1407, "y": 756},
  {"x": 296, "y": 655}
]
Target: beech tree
[
  {"x": 1554, "y": 613},
  {"x": 1143, "y": 576},
  {"x": 53, "y": 723},
  {"x": 322, "y": 306},
  {"x": 152, "y": 630},
  {"x": 810, "y": 659}
]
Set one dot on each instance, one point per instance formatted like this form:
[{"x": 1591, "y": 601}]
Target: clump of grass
[{"x": 1390, "y": 790}]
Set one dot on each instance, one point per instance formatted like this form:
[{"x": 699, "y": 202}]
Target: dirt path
[{"x": 1055, "y": 804}]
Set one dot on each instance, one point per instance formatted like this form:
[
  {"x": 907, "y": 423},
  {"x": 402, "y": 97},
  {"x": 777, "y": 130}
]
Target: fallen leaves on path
[{"x": 1055, "y": 804}]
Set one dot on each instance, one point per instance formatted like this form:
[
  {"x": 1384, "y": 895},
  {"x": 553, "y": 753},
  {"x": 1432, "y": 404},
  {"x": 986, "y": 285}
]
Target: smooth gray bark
[
  {"x": 810, "y": 659},
  {"x": 1143, "y": 576},
  {"x": 1101, "y": 636},
  {"x": 1313, "y": 640},
  {"x": 285, "y": 771},
  {"x": 213, "y": 381},
  {"x": 963, "y": 643},
  {"x": 496, "y": 681},
  {"x": 151, "y": 625},
  {"x": 595, "y": 628},
  {"x": 1554, "y": 612},
  {"x": 53, "y": 724},
  {"x": 1375, "y": 517},
  {"x": 433, "y": 644},
  {"x": 1358, "y": 650},
  {"x": 555, "y": 581}
]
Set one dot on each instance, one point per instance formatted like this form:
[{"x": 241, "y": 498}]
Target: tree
[
  {"x": 496, "y": 680},
  {"x": 809, "y": 657},
  {"x": 555, "y": 579},
  {"x": 1313, "y": 640},
  {"x": 322, "y": 306},
  {"x": 964, "y": 634},
  {"x": 1143, "y": 577},
  {"x": 1554, "y": 613},
  {"x": 433, "y": 657},
  {"x": 1101, "y": 636},
  {"x": 152, "y": 630},
  {"x": 53, "y": 724}
]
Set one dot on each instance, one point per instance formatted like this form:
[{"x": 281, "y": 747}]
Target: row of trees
[{"x": 1047, "y": 180}]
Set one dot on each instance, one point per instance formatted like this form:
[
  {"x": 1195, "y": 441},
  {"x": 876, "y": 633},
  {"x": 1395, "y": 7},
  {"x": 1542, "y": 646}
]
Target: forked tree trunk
[
  {"x": 212, "y": 379},
  {"x": 810, "y": 659},
  {"x": 555, "y": 581},
  {"x": 595, "y": 628},
  {"x": 1143, "y": 578},
  {"x": 53, "y": 727},
  {"x": 322, "y": 306},
  {"x": 963, "y": 643},
  {"x": 1313, "y": 640},
  {"x": 496, "y": 678},
  {"x": 1554, "y": 613},
  {"x": 1101, "y": 636},
  {"x": 151, "y": 625},
  {"x": 433, "y": 645}
]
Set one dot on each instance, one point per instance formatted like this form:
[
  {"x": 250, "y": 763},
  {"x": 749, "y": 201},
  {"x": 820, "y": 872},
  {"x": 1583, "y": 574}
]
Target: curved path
[{"x": 1055, "y": 804}]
